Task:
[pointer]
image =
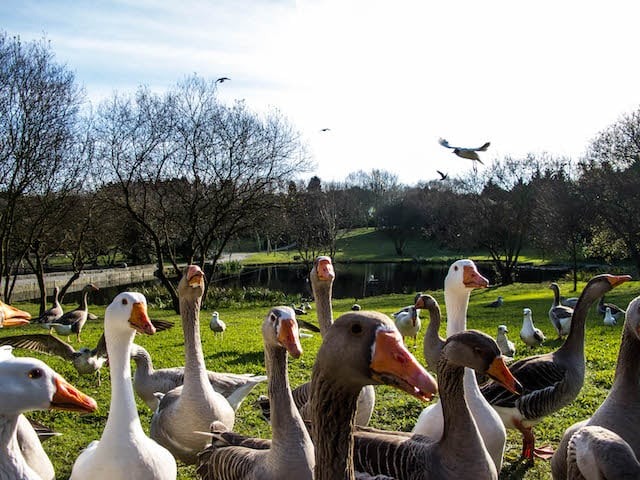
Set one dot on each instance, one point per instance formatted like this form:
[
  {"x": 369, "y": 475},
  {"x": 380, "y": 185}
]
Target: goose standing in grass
[
  {"x": 408, "y": 322},
  {"x": 595, "y": 453},
  {"x": 12, "y": 316},
  {"x": 460, "y": 453},
  {"x": 609, "y": 319},
  {"x": 124, "y": 450},
  {"x": 432, "y": 343},
  {"x": 29, "y": 384},
  {"x": 559, "y": 315},
  {"x": 553, "y": 380},
  {"x": 216, "y": 325},
  {"x": 291, "y": 453},
  {"x": 73, "y": 321},
  {"x": 147, "y": 381},
  {"x": 54, "y": 313},
  {"x": 616, "y": 311},
  {"x": 620, "y": 411},
  {"x": 529, "y": 333},
  {"x": 507, "y": 347},
  {"x": 195, "y": 405},
  {"x": 461, "y": 279}
]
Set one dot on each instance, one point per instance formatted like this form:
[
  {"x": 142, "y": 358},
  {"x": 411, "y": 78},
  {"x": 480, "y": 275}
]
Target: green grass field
[{"x": 240, "y": 350}]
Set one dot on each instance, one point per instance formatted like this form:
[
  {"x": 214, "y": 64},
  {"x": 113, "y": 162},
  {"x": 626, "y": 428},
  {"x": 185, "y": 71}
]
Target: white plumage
[
  {"x": 507, "y": 347},
  {"x": 529, "y": 334},
  {"x": 215, "y": 324},
  {"x": 408, "y": 322},
  {"x": 609, "y": 319}
]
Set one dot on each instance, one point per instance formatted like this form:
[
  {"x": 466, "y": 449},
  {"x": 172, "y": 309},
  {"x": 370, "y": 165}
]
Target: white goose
[
  {"x": 463, "y": 276},
  {"x": 124, "y": 451},
  {"x": 195, "y": 405},
  {"x": 29, "y": 384}
]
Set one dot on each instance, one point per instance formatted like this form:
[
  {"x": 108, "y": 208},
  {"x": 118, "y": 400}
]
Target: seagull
[
  {"x": 222, "y": 79},
  {"x": 468, "y": 153},
  {"x": 443, "y": 176}
]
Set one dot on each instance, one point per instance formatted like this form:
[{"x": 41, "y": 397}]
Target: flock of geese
[{"x": 320, "y": 429}]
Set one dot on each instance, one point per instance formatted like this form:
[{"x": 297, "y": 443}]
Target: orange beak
[
  {"x": 12, "y": 316},
  {"x": 288, "y": 336},
  {"x": 195, "y": 276},
  {"x": 68, "y": 397},
  {"x": 139, "y": 319},
  {"x": 324, "y": 268},
  {"x": 392, "y": 364},
  {"x": 500, "y": 373},
  {"x": 472, "y": 278},
  {"x": 616, "y": 280}
]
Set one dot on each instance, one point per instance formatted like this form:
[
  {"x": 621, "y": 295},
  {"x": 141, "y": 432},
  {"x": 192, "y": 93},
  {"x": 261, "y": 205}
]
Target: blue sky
[{"x": 388, "y": 77}]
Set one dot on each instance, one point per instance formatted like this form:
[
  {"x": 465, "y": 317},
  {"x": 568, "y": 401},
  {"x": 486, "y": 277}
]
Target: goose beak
[
  {"x": 472, "y": 278},
  {"x": 139, "y": 319},
  {"x": 324, "y": 269},
  {"x": 68, "y": 397},
  {"x": 12, "y": 316},
  {"x": 499, "y": 371},
  {"x": 616, "y": 280},
  {"x": 288, "y": 336},
  {"x": 392, "y": 364}
]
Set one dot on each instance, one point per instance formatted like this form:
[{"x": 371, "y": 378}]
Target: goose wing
[{"x": 42, "y": 343}]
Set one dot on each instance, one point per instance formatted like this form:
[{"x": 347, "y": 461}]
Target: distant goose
[
  {"x": 529, "y": 334},
  {"x": 507, "y": 347},
  {"x": 595, "y": 453},
  {"x": 559, "y": 315},
  {"x": 433, "y": 342},
  {"x": 73, "y": 321},
  {"x": 216, "y": 325},
  {"x": 53, "y": 313}
]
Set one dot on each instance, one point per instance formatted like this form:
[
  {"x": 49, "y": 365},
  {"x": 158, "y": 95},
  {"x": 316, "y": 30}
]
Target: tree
[{"x": 402, "y": 220}]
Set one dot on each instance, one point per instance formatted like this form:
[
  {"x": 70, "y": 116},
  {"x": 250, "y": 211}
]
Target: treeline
[{"x": 149, "y": 177}]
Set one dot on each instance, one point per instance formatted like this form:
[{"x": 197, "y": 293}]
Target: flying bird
[
  {"x": 468, "y": 153},
  {"x": 443, "y": 176},
  {"x": 222, "y": 79},
  {"x": 325, "y": 129}
]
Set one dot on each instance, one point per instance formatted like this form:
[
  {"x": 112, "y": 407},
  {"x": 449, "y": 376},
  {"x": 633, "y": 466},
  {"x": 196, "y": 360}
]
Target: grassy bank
[{"x": 241, "y": 351}]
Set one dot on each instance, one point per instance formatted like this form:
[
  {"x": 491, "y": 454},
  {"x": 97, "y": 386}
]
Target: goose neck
[
  {"x": 458, "y": 422},
  {"x": 456, "y": 302},
  {"x": 12, "y": 463},
  {"x": 195, "y": 370},
  {"x": 627, "y": 377},
  {"x": 322, "y": 293}
]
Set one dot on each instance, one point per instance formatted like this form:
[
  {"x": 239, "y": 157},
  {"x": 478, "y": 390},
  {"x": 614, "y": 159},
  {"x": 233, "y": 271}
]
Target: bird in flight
[
  {"x": 468, "y": 153},
  {"x": 325, "y": 129},
  {"x": 222, "y": 79},
  {"x": 443, "y": 176}
]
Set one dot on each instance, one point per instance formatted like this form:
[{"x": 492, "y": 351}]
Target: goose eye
[
  {"x": 124, "y": 301},
  {"x": 35, "y": 373},
  {"x": 273, "y": 317},
  {"x": 455, "y": 268},
  {"x": 356, "y": 328}
]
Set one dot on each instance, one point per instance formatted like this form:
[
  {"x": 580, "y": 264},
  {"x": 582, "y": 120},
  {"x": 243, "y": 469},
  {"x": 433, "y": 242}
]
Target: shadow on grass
[
  {"x": 515, "y": 470},
  {"x": 235, "y": 357}
]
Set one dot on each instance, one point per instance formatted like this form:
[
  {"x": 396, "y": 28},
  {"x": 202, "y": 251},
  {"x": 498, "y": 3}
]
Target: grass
[{"x": 240, "y": 350}]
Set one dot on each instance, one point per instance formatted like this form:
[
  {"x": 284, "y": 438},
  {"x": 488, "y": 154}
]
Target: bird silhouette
[
  {"x": 222, "y": 79},
  {"x": 443, "y": 176},
  {"x": 464, "y": 152},
  {"x": 325, "y": 129}
]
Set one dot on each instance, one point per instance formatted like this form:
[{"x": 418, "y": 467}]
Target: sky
[{"x": 387, "y": 77}]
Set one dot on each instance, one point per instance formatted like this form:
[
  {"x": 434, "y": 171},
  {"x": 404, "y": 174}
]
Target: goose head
[
  {"x": 12, "y": 316},
  {"x": 464, "y": 275},
  {"x": 363, "y": 348},
  {"x": 480, "y": 352},
  {"x": 191, "y": 285},
  {"x": 280, "y": 329},
  {"x": 323, "y": 269},
  {"x": 632, "y": 321},
  {"x": 426, "y": 302},
  {"x": 127, "y": 311},
  {"x": 29, "y": 384}
]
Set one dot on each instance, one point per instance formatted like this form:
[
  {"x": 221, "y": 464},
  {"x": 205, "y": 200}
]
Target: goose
[
  {"x": 73, "y": 321},
  {"x": 290, "y": 453},
  {"x": 595, "y": 453},
  {"x": 559, "y": 315},
  {"x": 620, "y": 411},
  {"x": 194, "y": 405},
  {"x": 552, "y": 380},
  {"x": 616, "y": 311},
  {"x": 361, "y": 348},
  {"x": 498, "y": 302},
  {"x": 433, "y": 342},
  {"x": 216, "y": 325},
  {"x": 12, "y": 316},
  {"x": 507, "y": 347},
  {"x": 609, "y": 319},
  {"x": 54, "y": 313},
  {"x": 529, "y": 334},
  {"x": 460, "y": 452},
  {"x": 408, "y": 322},
  {"x": 29, "y": 384},
  {"x": 87, "y": 361},
  {"x": 124, "y": 450},
  {"x": 461, "y": 279},
  {"x": 148, "y": 381}
]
